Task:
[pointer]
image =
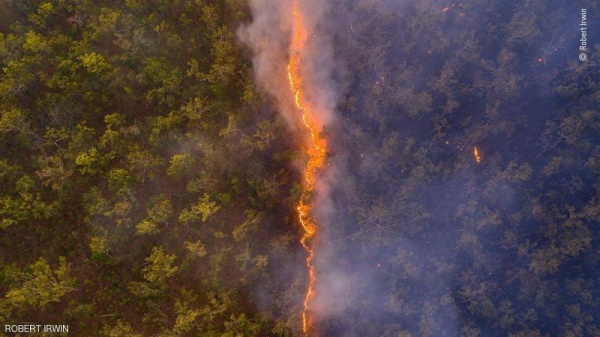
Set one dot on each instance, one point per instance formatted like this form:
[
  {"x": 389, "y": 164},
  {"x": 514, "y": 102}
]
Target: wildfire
[
  {"x": 315, "y": 150},
  {"x": 476, "y": 154}
]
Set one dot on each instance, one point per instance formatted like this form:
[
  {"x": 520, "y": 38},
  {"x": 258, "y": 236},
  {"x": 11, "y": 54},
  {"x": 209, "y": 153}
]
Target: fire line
[{"x": 315, "y": 150}]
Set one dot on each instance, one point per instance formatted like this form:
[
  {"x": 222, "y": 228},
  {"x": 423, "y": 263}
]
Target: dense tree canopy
[
  {"x": 148, "y": 186},
  {"x": 507, "y": 246},
  {"x": 145, "y": 186}
]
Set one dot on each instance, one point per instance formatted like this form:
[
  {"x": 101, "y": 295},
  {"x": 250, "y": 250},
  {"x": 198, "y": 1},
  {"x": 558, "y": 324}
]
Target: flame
[
  {"x": 476, "y": 154},
  {"x": 315, "y": 151}
]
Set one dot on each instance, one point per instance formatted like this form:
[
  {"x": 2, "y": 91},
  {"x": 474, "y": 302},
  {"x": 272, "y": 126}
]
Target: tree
[
  {"x": 121, "y": 329},
  {"x": 41, "y": 285}
]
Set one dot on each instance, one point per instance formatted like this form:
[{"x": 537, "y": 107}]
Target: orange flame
[
  {"x": 476, "y": 154},
  {"x": 315, "y": 150}
]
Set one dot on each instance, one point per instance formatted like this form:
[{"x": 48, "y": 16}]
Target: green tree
[{"x": 41, "y": 285}]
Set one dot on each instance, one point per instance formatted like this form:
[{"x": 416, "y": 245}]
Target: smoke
[
  {"x": 353, "y": 297},
  {"x": 269, "y": 37},
  {"x": 376, "y": 243},
  {"x": 415, "y": 235},
  {"x": 280, "y": 32}
]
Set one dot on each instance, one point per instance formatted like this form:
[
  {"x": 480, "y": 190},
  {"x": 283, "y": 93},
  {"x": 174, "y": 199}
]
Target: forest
[{"x": 149, "y": 182}]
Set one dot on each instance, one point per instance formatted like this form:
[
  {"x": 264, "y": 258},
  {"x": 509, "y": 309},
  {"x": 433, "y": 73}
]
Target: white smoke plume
[{"x": 269, "y": 36}]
